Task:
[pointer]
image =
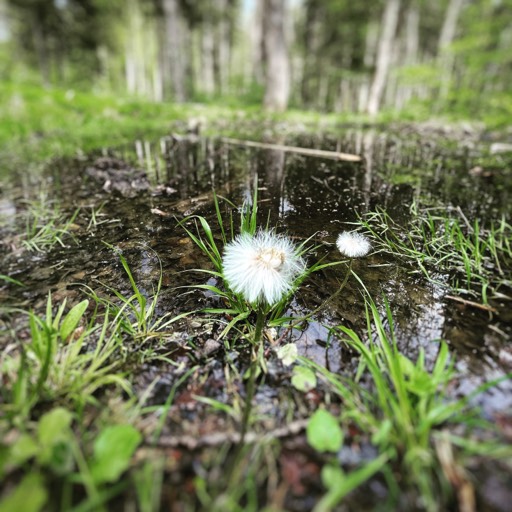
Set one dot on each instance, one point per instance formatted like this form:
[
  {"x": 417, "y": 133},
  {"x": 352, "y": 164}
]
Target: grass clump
[
  {"x": 440, "y": 242},
  {"x": 212, "y": 241},
  {"x": 53, "y": 365},
  {"x": 400, "y": 406},
  {"x": 46, "y": 123},
  {"x": 136, "y": 315},
  {"x": 46, "y": 225},
  {"x": 62, "y": 447}
]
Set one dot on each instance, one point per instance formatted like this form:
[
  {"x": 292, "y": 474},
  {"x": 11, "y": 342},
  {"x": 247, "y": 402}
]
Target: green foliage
[
  {"x": 30, "y": 495},
  {"x": 52, "y": 364},
  {"x": 402, "y": 408},
  {"x": 303, "y": 379},
  {"x": 46, "y": 224},
  {"x": 324, "y": 432},
  {"x": 53, "y": 432},
  {"x": 38, "y": 124},
  {"x": 211, "y": 245},
  {"x": 339, "y": 484},
  {"x": 203, "y": 236},
  {"x": 8, "y": 279},
  {"x": 439, "y": 243},
  {"x": 49, "y": 446},
  {"x": 113, "y": 450},
  {"x": 148, "y": 481},
  {"x": 137, "y": 314}
]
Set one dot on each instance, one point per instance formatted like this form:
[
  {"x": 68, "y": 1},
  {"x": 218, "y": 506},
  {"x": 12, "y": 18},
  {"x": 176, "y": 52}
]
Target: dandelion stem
[{"x": 256, "y": 346}]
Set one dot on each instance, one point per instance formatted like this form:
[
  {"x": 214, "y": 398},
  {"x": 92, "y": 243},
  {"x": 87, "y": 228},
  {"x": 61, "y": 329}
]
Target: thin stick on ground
[
  {"x": 466, "y": 302},
  {"x": 334, "y": 155}
]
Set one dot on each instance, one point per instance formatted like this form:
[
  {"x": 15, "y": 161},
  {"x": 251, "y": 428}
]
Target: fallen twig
[
  {"x": 485, "y": 307},
  {"x": 335, "y": 155}
]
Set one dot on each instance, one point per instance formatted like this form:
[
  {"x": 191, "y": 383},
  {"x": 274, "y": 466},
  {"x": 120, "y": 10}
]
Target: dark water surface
[{"x": 146, "y": 188}]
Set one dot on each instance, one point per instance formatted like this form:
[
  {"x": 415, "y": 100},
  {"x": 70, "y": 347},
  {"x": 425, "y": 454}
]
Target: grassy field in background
[{"x": 37, "y": 124}]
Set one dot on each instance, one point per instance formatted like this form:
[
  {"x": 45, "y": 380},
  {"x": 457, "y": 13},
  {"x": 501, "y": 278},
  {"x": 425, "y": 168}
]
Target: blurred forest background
[{"x": 415, "y": 57}]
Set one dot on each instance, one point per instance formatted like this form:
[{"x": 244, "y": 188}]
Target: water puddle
[{"x": 132, "y": 198}]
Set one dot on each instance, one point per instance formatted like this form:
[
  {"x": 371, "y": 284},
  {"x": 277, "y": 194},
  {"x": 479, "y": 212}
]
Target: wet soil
[{"x": 145, "y": 189}]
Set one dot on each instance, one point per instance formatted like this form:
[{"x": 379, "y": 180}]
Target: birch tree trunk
[
  {"x": 311, "y": 65},
  {"x": 408, "y": 55},
  {"x": 223, "y": 37},
  {"x": 412, "y": 34},
  {"x": 446, "y": 37},
  {"x": 384, "y": 54},
  {"x": 255, "y": 30},
  {"x": 277, "y": 71},
  {"x": 175, "y": 48},
  {"x": 207, "y": 59}
]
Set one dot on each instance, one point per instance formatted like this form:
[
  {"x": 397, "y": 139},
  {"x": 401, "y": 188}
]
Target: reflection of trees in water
[
  {"x": 272, "y": 173},
  {"x": 316, "y": 190}
]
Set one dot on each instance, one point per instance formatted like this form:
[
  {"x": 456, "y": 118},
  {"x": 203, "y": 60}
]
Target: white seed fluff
[
  {"x": 353, "y": 245},
  {"x": 262, "y": 267}
]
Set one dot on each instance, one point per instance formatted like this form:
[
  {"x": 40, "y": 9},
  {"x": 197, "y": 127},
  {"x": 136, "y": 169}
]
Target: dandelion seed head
[
  {"x": 271, "y": 258},
  {"x": 353, "y": 245},
  {"x": 262, "y": 267}
]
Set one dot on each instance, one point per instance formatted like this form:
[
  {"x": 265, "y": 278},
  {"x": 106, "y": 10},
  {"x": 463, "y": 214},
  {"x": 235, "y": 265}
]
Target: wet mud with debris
[{"x": 146, "y": 189}]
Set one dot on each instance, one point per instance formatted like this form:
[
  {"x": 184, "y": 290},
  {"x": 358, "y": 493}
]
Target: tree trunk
[
  {"x": 446, "y": 37},
  {"x": 312, "y": 59},
  {"x": 175, "y": 48},
  {"x": 277, "y": 71},
  {"x": 412, "y": 34},
  {"x": 409, "y": 52},
  {"x": 41, "y": 47},
  {"x": 207, "y": 59},
  {"x": 384, "y": 55},
  {"x": 223, "y": 37}
]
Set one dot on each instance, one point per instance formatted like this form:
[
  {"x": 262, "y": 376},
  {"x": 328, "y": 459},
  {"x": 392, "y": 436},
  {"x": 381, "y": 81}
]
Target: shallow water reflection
[{"x": 307, "y": 197}]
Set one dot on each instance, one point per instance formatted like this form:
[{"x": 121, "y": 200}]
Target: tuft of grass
[
  {"x": 53, "y": 365},
  {"x": 402, "y": 407},
  {"x": 203, "y": 235},
  {"x": 443, "y": 243},
  {"x": 46, "y": 225},
  {"x": 239, "y": 490},
  {"x": 137, "y": 315},
  {"x": 11, "y": 280}
]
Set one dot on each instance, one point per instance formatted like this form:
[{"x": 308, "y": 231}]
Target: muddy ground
[{"x": 145, "y": 189}]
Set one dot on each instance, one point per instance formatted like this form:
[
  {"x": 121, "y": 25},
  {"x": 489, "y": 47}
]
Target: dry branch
[
  {"x": 335, "y": 155},
  {"x": 485, "y": 307}
]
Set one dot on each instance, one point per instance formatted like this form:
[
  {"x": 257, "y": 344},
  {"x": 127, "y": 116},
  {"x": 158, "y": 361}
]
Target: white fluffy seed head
[
  {"x": 262, "y": 267},
  {"x": 353, "y": 245}
]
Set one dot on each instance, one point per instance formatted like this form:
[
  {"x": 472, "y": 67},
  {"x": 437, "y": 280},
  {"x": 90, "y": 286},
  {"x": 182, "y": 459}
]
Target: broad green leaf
[
  {"x": 53, "y": 434},
  {"x": 29, "y": 496},
  {"x": 332, "y": 476},
  {"x": 54, "y": 426},
  {"x": 382, "y": 434},
  {"x": 113, "y": 450},
  {"x": 303, "y": 378},
  {"x": 324, "y": 432},
  {"x": 71, "y": 320},
  {"x": 23, "y": 449}
]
